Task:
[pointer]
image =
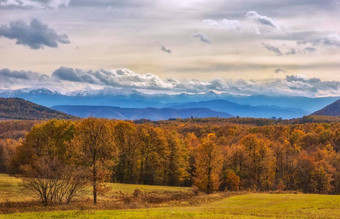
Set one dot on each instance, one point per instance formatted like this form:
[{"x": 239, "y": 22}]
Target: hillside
[
  {"x": 136, "y": 113},
  {"x": 16, "y": 108},
  {"x": 332, "y": 109}
]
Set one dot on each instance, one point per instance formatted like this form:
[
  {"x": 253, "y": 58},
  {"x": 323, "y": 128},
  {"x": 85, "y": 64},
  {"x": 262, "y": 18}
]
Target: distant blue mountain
[
  {"x": 245, "y": 106},
  {"x": 135, "y": 113},
  {"x": 307, "y": 104},
  {"x": 265, "y": 111}
]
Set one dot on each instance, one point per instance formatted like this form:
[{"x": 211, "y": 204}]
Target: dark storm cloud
[{"x": 35, "y": 34}]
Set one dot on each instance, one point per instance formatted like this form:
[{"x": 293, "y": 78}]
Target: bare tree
[{"x": 53, "y": 181}]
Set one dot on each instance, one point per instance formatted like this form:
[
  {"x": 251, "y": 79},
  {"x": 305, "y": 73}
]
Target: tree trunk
[{"x": 94, "y": 172}]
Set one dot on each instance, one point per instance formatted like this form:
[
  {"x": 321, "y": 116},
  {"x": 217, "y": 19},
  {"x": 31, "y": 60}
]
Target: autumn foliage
[{"x": 213, "y": 155}]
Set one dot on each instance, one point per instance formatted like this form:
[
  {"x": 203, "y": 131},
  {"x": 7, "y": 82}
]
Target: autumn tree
[
  {"x": 176, "y": 162},
  {"x": 232, "y": 181},
  {"x": 208, "y": 163},
  {"x": 93, "y": 147},
  {"x": 191, "y": 142},
  {"x": 262, "y": 161},
  {"x": 152, "y": 144},
  {"x": 42, "y": 160},
  {"x": 7, "y": 150},
  {"x": 238, "y": 160},
  {"x": 125, "y": 138},
  {"x": 46, "y": 139}
]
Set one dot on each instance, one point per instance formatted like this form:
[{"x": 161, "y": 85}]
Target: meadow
[
  {"x": 218, "y": 205},
  {"x": 242, "y": 206},
  {"x": 12, "y": 190}
]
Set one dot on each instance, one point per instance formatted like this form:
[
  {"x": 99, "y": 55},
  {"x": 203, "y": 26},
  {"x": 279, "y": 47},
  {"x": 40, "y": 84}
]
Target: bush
[{"x": 53, "y": 181}]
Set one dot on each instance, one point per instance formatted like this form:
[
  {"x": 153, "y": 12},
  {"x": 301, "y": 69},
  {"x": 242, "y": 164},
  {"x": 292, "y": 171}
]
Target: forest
[{"x": 203, "y": 153}]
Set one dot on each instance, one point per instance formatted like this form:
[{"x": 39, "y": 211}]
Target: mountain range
[
  {"x": 136, "y": 113},
  {"x": 259, "y": 106}
]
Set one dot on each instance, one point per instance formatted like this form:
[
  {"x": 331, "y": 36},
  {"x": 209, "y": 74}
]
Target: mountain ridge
[
  {"x": 332, "y": 109},
  {"x": 16, "y": 108},
  {"x": 286, "y": 107},
  {"x": 138, "y": 113}
]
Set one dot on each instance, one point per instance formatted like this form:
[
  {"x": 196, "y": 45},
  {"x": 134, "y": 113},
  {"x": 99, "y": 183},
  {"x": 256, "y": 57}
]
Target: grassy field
[
  {"x": 258, "y": 205},
  {"x": 243, "y": 206},
  {"x": 12, "y": 190}
]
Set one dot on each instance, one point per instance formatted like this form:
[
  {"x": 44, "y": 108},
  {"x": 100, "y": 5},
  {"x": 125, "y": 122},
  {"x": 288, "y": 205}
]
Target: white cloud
[
  {"x": 298, "y": 85},
  {"x": 112, "y": 77},
  {"x": 224, "y": 23},
  {"x": 264, "y": 20},
  {"x": 36, "y": 4}
]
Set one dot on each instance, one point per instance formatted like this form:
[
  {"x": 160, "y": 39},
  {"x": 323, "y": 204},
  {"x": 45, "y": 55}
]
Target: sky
[{"x": 245, "y": 47}]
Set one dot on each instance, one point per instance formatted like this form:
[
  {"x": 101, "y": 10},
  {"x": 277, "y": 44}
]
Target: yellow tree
[
  {"x": 191, "y": 142},
  {"x": 238, "y": 160},
  {"x": 126, "y": 141},
  {"x": 46, "y": 139},
  {"x": 153, "y": 154},
  {"x": 232, "y": 181},
  {"x": 263, "y": 162},
  {"x": 176, "y": 162},
  {"x": 208, "y": 165},
  {"x": 93, "y": 147}
]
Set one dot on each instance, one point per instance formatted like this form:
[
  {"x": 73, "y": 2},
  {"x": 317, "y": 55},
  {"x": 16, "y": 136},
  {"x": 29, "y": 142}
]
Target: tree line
[{"x": 210, "y": 156}]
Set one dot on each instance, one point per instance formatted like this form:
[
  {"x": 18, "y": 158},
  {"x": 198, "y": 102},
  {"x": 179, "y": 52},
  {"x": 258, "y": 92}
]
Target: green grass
[
  {"x": 243, "y": 206},
  {"x": 258, "y": 205},
  {"x": 12, "y": 190}
]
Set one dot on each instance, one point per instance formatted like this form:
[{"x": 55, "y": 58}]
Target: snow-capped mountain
[{"x": 265, "y": 106}]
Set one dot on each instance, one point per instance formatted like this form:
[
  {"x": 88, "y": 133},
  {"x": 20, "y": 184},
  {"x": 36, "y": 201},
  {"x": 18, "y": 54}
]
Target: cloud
[
  {"x": 272, "y": 48},
  {"x": 286, "y": 50},
  {"x": 164, "y": 49},
  {"x": 113, "y": 3},
  {"x": 112, "y": 77},
  {"x": 309, "y": 49},
  {"x": 36, "y": 4},
  {"x": 332, "y": 40},
  {"x": 260, "y": 19},
  {"x": 124, "y": 78},
  {"x": 11, "y": 79},
  {"x": 63, "y": 77},
  {"x": 35, "y": 34},
  {"x": 74, "y": 75},
  {"x": 293, "y": 51},
  {"x": 203, "y": 38},
  {"x": 280, "y": 70},
  {"x": 224, "y": 23}
]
